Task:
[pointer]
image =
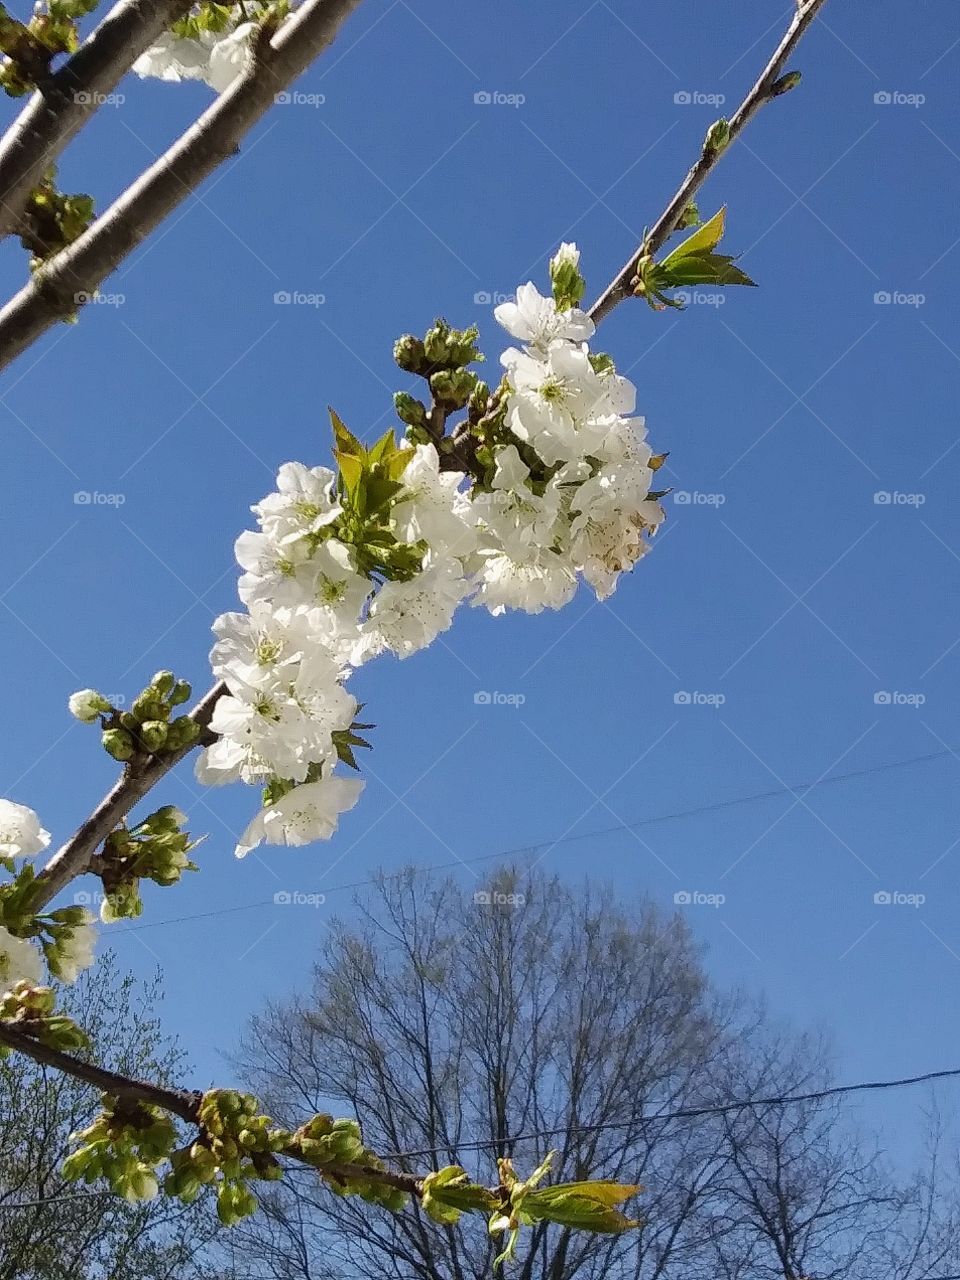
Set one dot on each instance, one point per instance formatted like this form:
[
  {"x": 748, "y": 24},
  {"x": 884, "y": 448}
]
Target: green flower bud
[
  {"x": 153, "y": 734},
  {"x": 180, "y": 693},
  {"x": 409, "y": 410},
  {"x": 718, "y": 135},
  {"x": 181, "y": 733},
  {"x": 461, "y": 346},
  {"x": 453, "y": 387},
  {"x": 435, "y": 343},
  {"x": 117, "y": 743},
  {"x": 163, "y": 683},
  {"x": 408, "y": 352},
  {"x": 148, "y": 706}
]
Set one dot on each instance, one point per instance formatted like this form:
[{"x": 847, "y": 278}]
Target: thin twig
[
  {"x": 139, "y": 776},
  {"x": 763, "y": 91},
  {"x": 179, "y": 1102},
  {"x": 80, "y": 268},
  {"x": 67, "y": 100}
]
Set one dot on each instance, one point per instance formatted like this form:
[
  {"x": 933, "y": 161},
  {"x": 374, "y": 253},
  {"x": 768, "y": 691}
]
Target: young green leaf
[{"x": 344, "y": 439}]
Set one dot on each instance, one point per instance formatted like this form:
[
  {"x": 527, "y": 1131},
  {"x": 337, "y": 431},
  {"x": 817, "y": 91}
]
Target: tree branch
[
  {"x": 81, "y": 267},
  {"x": 157, "y": 197},
  {"x": 184, "y": 1104},
  {"x": 65, "y": 102},
  {"x": 140, "y": 775},
  {"x": 179, "y": 1102},
  {"x": 763, "y": 91}
]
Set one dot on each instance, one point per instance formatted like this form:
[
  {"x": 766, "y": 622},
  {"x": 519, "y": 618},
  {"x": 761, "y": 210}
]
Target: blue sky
[{"x": 782, "y": 586}]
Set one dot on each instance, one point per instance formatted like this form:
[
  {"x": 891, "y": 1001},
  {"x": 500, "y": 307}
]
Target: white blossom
[
  {"x": 433, "y": 508},
  {"x": 569, "y": 499},
  {"x": 535, "y": 319},
  {"x": 173, "y": 58},
  {"x": 74, "y": 949},
  {"x": 87, "y": 704},
  {"x": 304, "y": 501},
  {"x": 230, "y": 57},
  {"x": 567, "y": 254},
  {"x": 20, "y": 961},
  {"x": 216, "y": 57},
  {"x": 21, "y": 835},
  {"x": 307, "y": 813},
  {"x": 407, "y": 616}
]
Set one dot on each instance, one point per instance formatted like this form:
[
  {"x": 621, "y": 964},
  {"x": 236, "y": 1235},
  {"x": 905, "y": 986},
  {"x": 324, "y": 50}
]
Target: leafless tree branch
[{"x": 764, "y": 91}]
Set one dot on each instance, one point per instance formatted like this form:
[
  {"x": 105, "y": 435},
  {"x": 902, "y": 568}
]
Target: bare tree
[
  {"x": 51, "y": 1229},
  {"x": 534, "y": 1016}
]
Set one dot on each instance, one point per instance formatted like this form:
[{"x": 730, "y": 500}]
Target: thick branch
[
  {"x": 66, "y": 101},
  {"x": 140, "y": 776},
  {"x": 82, "y": 266},
  {"x": 761, "y": 93}
]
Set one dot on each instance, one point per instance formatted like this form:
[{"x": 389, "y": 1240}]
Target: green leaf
[
  {"x": 706, "y": 237},
  {"x": 344, "y": 439},
  {"x": 690, "y": 263},
  {"x": 385, "y": 447},
  {"x": 586, "y": 1206},
  {"x": 351, "y": 470},
  {"x": 702, "y": 268},
  {"x": 380, "y": 492}
]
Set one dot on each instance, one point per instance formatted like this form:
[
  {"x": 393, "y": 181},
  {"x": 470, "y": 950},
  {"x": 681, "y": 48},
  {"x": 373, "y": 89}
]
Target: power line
[
  {"x": 53, "y": 1201},
  {"x": 714, "y": 806},
  {"x": 685, "y": 1113}
]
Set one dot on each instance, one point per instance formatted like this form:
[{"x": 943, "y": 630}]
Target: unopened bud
[
  {"x": 409, "y": 410},
  {"x": 785, "y": 83},
  {"x": 117, "y": 743},
  {"x": 87, "y": 704},
  {"x": 718, "y": 135},
  {"x": 153, "y": 734},
  {"x": 408, "y": 352}
]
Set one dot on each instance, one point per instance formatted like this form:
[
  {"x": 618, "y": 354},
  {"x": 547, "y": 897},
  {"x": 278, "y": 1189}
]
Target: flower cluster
[
  {"x": 572, "y": 495},
  {"x": 66, "y": 936},
  {"x": 377, "y": 556},
  {"x": 213, "y": 44}
]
